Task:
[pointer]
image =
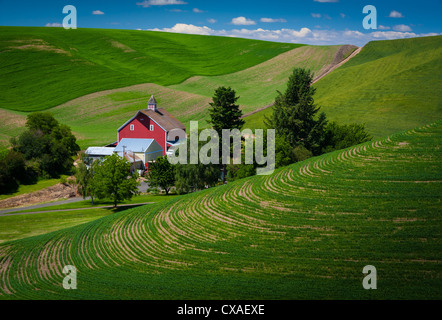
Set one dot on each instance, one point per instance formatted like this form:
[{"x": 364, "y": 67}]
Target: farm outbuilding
[
  {"x": 98, "y": 153},
  {"x": 139, "y": 150}
]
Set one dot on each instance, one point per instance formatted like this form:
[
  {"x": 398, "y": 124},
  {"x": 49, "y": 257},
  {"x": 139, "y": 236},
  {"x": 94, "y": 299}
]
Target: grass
[
  {"x": 22, "y": 226},
  {"x": 390, "y": 86},
  {"x": 304, "y": 232},
  {"x": 87, "y": 204},
  {"x": 15, "y": 226},
  {"x": 256, "y": 120},
  {"x": 257, "y": 86},
  {"x": 72, "y": 63}
]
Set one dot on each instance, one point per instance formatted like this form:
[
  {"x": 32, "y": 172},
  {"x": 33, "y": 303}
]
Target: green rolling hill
[
  {"x": 390, "y": 85},
  {"x": 41, "y": 68},
  {"x": 257, "y": 85},
  {"x": 304, "y": 232}
]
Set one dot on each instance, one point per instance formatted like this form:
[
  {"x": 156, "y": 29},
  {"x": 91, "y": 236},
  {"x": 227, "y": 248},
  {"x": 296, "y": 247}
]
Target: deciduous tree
[{"x": 112, "y": 180}]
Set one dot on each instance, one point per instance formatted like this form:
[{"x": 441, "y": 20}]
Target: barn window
[
  {"x": 151, "y": 127},
  {"x": 132, "y": 127}
]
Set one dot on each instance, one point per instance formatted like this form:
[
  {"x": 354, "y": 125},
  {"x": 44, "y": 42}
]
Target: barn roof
[{"x": 164, "y": 119}]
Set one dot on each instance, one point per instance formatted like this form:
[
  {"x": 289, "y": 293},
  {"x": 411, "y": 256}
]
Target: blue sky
[{"x": 303, "y": 21}]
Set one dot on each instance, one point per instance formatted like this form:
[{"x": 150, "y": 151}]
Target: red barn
[{"x": 151, "y": 123}]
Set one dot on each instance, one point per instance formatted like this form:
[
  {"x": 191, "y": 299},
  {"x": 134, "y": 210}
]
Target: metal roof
[
  {"x": 135, "y": 145},
  {"x": 99, "y": 151}
]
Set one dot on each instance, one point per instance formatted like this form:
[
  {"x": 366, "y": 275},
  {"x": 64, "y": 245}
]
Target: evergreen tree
[
  {"x": 225, "y": 114},
  {"x": 295, "y": 115}
]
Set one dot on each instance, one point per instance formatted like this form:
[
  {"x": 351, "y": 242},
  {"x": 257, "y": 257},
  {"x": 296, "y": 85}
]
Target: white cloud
[
  {"x": 212, "y": 21},
  {"x": 326, "y": 0},
  {"x": 401, "y": 27},
  {"x": 54, "y": 24},
  {"x": 187, "y": 28},
  {"x": 97, "y": 12},
  {"x": 391, "y": 35},
  {"x": 353, "y": 33},
  {"x": 270, "y": 20},
  {"x": 196, "y": 10},
  {"x": 242, "y": 21},
  {"x": 395, "y": 14},
  {"x": 381, "y": 27},
  {"x": 303, "y": 35},
  {"x": 148, "y": 3},
  {"x": 316, "y": 15}
]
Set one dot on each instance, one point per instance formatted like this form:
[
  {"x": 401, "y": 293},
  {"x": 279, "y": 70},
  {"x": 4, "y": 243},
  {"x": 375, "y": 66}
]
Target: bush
[
  {"x": 12, "y": 171},
  {"x": 339, "y": 137},
  {"x": 300, "y": 153},
  {"x": 240, "y": 171}
]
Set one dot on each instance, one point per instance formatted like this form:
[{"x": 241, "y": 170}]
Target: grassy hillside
[
  {"x": 306, "y": 231},
  {"x": 43, "y": 67},
  {"x": 390, "y": 86},
  {"x": 257, "y": 85}
]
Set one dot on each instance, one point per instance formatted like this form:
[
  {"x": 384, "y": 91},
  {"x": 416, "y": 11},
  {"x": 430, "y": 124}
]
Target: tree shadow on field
[{"x": 123, "y": 207}]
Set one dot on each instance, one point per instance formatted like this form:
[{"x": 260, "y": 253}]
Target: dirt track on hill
[
  {"x": 338, "y": 61},
  {"x": 56, "y": 192}
]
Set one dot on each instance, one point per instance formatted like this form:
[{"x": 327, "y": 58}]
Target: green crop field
[
  {"x": 257, "y": 86},
  {"x": 390, "y": 85},
  {"x": 304, "y": 232},
  {"x": 41, "y": 68},
  {"x": 14, "y": 227}
]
